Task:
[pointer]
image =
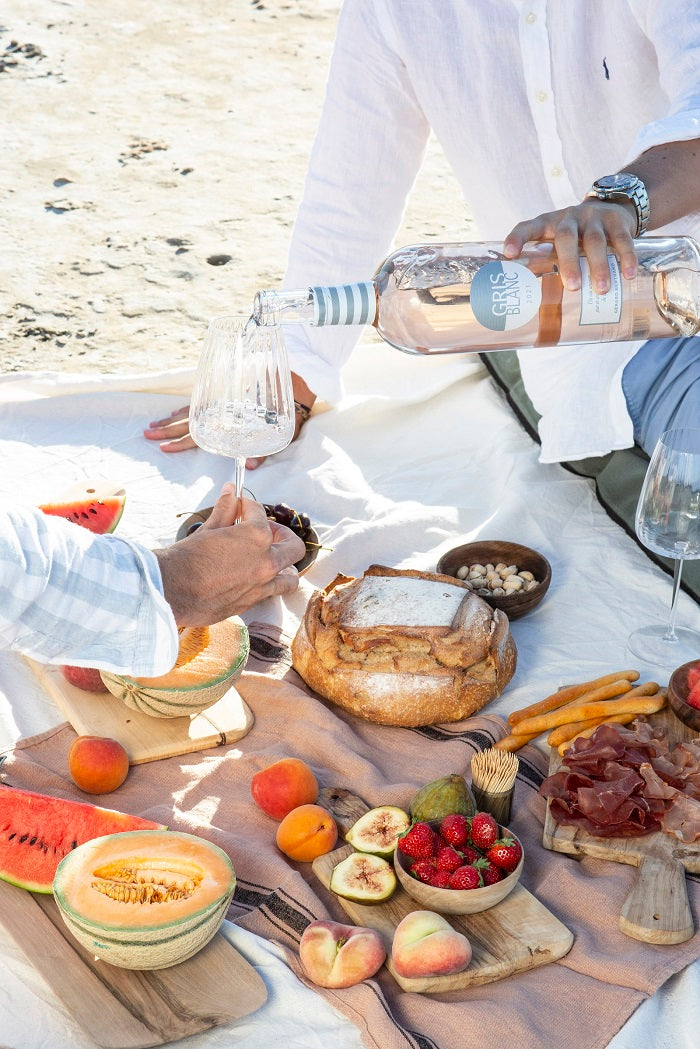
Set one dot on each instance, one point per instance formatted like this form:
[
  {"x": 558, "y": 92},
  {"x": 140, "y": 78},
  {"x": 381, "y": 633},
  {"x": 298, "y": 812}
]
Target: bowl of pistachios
[{"x": 508, "y": 576}]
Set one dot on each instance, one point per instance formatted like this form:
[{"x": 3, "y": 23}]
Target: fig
[
  {"x": 441, "y": 798},
  {"x": 378, "y": 830},
  {"x": 363, "y": 878}
]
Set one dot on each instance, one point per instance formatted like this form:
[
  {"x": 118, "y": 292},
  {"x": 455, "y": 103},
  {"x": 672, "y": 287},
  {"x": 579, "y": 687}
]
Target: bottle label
[
  {"x": 345, "y": 304},
  {"x": 505, "y": 295},
  {"x": 597, "y": 308}
]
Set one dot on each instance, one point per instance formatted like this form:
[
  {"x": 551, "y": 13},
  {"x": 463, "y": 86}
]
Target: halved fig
[
  {"x": 363, "y": 878},
  {"x": 378, "y": 831}
]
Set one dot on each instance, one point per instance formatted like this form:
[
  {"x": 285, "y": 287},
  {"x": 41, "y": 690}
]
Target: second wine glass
[
  {"x": 668, "y": 522},
  {"x": 242, "y": 402}
]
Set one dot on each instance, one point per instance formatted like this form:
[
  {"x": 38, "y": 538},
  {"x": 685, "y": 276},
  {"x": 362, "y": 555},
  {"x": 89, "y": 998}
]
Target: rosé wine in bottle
[{"x": 468, "y": 298}]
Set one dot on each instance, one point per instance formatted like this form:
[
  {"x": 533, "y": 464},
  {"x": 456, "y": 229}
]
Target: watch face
[{"x": 614, "y": 182}]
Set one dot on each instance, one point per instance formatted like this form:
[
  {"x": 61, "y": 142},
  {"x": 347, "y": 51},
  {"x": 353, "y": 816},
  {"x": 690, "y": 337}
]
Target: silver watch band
[{"x": 635, "y": 192}]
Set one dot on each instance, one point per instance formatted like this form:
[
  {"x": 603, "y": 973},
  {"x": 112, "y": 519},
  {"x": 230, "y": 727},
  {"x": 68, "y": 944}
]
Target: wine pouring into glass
[
  {"x": 242, "y": 402},
  {"x": 668, "y": 522}
]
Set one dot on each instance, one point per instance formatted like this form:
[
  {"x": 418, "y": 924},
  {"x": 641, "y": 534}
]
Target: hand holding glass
[
  {"x": 242, "y": 402},
  {"x": 668, "y": 522}
]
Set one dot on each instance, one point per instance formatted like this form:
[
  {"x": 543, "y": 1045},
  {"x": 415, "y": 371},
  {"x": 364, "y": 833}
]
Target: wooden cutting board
[
  {"x": 123, "y": 1008},
  {"x": 656, "y": 909},
  {"x": 145, "y": 738},
  {"x": 518, "y": 934}
]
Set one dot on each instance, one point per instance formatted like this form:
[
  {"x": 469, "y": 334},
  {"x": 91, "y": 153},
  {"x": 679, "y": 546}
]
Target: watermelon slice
[
  {"x": 37, "y": 831},
  {"x": 97, "y": 507}
]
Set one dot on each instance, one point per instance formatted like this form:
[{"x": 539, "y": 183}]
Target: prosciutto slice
[{"x": 626, "y": 782}]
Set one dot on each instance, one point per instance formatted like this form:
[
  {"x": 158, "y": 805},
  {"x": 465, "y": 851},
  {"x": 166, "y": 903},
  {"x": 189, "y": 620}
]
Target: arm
[
  {"x": 665, "y": 155},
  {"x": 68, "y": 596},
  {"x": 671, "y": 174},
  {"x": 366, "y": 154}
]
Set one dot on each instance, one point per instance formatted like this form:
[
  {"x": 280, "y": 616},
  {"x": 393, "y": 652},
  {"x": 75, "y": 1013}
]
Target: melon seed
[{"x": 130, "y": 885}]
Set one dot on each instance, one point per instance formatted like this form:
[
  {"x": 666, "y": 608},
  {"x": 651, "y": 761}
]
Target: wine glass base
[{"x": 651, "y": 644}]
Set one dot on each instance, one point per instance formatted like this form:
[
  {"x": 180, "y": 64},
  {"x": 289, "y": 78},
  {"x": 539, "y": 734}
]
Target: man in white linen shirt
[
  {"x": 69, "y": 596},
  {"x": 532, "y": 101}
]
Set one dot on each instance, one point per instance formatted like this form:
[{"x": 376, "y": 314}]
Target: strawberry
[
  {"x": 448, "y": 859},
  {"x": 470, "y": 855},
  {"x": 440, "y": 880},
  {"x": 455, "y": 829},
  {"x": 467, "y": 876},
  {"x": 483, "y": 830},
  {"x": 491, "y": 874},
  {"x": 505, "y": 854},
  {"x": 424, "y": 870},
  {"x": 419, "y": 841}
]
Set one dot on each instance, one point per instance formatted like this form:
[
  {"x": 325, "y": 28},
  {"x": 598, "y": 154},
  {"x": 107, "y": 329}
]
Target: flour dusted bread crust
[{"x": 404, "y": 647}]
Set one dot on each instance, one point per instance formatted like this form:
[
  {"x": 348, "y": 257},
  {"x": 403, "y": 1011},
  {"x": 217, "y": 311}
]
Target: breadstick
[
  {"x": 514, "y": 742},
  {"x": 616, "y": 719},
  {"x": 571, "y": 729},
  {"x": 586, "y": 711},
  {"x": 564, "y": 733},
  {"x": 565, "y": 695}
]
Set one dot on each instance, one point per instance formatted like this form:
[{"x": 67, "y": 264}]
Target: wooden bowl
[
  {"x": 311, "y": 541},
  {"x": 678, "y": 690},
  {"x": 496, "y": 552},
  {"x": 456, "y": 901}
]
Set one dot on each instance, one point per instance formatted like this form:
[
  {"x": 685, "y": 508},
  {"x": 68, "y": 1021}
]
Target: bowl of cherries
[{"x": 297, "y": 521}]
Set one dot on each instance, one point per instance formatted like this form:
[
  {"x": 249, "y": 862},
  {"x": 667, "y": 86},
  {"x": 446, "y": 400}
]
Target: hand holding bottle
[{"x": 594, "y": 226}]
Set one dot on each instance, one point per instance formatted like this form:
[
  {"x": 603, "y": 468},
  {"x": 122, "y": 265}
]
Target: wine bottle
[{"x": 468, "y": 298}]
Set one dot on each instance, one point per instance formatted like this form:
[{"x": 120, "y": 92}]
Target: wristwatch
[{"x": 620, "y": 188}]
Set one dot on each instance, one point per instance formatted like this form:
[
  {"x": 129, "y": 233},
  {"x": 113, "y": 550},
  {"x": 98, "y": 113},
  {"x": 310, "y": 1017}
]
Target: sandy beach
[{"x": 154, "y": 164}]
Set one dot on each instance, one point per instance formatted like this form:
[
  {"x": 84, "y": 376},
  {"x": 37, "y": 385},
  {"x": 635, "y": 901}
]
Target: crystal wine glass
[
  {"x": 668, "y": 522},
  {"x": 242, "y": 402}
]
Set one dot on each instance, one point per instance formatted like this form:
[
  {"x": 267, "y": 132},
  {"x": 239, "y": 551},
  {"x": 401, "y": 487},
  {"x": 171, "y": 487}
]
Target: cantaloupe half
[
  {"x": 144, "y": 899},
  {"x": 209, "y": 660}
]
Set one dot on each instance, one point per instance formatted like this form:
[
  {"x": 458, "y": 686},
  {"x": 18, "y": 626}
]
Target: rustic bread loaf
[{"x": 404, "y": 647}]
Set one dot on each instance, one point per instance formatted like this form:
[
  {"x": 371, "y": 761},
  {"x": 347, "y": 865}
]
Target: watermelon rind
[{"x": 38, "y": 830}]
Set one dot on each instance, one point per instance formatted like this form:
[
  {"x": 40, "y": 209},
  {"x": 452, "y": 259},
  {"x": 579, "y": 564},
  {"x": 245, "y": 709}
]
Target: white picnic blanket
[{"x": 423, "y": 454}]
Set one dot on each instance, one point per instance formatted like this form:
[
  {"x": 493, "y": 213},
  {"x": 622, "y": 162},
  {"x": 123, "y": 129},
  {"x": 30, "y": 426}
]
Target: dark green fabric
[{"x": 618, "y": 476}]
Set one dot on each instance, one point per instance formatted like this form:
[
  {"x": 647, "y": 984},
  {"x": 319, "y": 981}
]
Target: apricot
[
  {"x": 97, "y": 764},
  {"x": 307, "y": 832},
  {"x": 284, "y": 786}
]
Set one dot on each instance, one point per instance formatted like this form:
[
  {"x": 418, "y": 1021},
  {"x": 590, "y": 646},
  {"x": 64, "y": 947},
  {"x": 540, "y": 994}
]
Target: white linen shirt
[
  {"x": 68, "y": 596},
  {"x": 531, "y": 101}
]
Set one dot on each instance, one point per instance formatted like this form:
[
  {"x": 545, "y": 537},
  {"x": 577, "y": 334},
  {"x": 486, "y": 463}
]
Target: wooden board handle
[{"x": 657, "y": 908}]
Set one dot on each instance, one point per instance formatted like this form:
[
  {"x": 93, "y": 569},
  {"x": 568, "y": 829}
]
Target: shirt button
[
  {"x": 557, "y": 172},
  {"x": 531, "y": 18},
  {"x": 542, "y": 96}
]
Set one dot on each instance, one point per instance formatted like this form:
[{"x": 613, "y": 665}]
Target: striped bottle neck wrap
[{"x": 345, "y": 304}]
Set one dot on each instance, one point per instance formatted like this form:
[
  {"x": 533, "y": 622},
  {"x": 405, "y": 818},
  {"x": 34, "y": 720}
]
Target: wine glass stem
[
  {"x": 238, "y": 478},
  {"x": 670, "y": 634}
]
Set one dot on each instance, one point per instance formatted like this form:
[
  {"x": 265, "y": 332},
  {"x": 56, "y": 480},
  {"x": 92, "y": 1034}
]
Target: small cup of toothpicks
[{"x": 493, "y": 782}]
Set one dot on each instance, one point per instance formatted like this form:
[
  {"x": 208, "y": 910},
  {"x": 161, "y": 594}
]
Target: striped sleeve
[{"x": 68, "y": 596}]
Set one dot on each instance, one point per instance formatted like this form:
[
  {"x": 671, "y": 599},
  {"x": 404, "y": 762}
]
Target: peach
[
  {"x": 425, "y": 944},
  {"x": 86, "y": 678},
  {"x": 335, "y": 955},
  {"x": 284, "y": 786},
  {"x": 307, "y": 832},
  {"x": 97, "y": 764}
]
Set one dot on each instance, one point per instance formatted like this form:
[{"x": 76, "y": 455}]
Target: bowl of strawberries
[
  {"x": 459, "y": 864},
  {"x": 684, "y": 694}
]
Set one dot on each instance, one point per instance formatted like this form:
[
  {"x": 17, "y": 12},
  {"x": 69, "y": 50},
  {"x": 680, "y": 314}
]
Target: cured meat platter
[{"x": 656, "y": 909}]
